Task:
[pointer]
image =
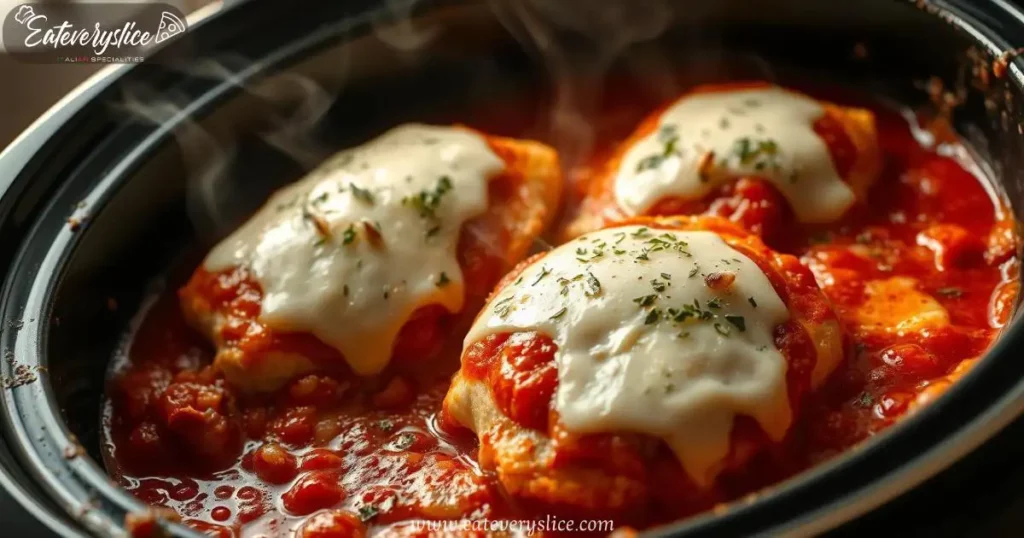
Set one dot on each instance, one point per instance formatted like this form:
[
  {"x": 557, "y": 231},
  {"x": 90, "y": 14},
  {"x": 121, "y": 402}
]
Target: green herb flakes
[
  {"x": 652, "y": 317},
  {"x": 349, "y": 235},
  {"x": 737, "y": 321},
  {"x": 646, "y": 300},
  {"x": 544, "y": 271},
  {"x": 363, "y": 195},
  {"x": 368, "y": 512},
  {"x": 428, "y": 200}
]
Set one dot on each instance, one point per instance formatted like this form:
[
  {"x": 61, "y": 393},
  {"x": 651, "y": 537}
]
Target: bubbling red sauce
[{"x": 330, "y": 455}]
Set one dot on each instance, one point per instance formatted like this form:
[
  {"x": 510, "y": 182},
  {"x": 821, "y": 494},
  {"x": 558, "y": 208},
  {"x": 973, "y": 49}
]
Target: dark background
[{"x": 980, "y": 496}]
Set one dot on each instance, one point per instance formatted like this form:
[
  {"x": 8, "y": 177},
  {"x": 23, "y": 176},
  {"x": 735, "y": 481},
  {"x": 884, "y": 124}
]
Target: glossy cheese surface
[
  {"x": 921, "y": 274},
  {"x": 709, "y": 138},
  {"x": 351, "y": 251},
  {"x": 647, "y": 345}
]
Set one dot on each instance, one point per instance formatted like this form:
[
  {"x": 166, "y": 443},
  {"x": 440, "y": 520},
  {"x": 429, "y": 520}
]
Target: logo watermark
[
  {"x": 72, "y": 32},
  {"x": 550, "y": 523}
]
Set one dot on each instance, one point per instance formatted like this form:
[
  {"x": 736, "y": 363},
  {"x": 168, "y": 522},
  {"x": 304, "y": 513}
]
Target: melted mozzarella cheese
[
  {"x": 707, "y": 139},
  {"x": 352, "y": 250},
  {"x": 644, "y": 345}
]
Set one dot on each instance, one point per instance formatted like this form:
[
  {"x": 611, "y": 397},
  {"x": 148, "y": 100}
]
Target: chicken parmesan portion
[
  {"x": 370, "y": 258},
  {"x": 659, "y": 351},
  {"x": 756, "y": 153}
]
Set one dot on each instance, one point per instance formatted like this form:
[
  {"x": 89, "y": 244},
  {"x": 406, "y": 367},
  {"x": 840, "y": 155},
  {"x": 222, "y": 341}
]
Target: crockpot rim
[
  {"x": 82, "y": 470},
  {"x": 18, "y": 156},
  {"x": 926, "y": 464},
  {"x": 855, "y": 503}
]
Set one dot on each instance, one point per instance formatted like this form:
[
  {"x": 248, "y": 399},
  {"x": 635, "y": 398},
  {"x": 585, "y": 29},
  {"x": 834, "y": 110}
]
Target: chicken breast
[
  {"x": 631, "y": 367},
  {"x": 755, "y": 153},
  {"x": 374, "y": 257}
]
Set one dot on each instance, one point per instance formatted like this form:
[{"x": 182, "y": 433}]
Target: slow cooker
[{"x": 257, "y": 93}]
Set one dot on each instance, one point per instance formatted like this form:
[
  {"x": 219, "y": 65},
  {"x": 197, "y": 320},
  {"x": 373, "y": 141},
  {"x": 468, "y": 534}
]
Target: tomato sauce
[{"x": 328, "y": 455}]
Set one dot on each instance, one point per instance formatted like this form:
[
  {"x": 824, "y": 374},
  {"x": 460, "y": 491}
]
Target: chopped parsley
[
  {"x": 669, "y": 139},
  {"x": 593, "y": 285},
  {"x": 737, "y": 321},
  {"x": 763, "y": 153},
  {"x": 368, "y": 512},
  {"x": 349, "y": 235},
  {"x": 652, "y": 317},
  {"x": 667, "y": 132},
  {"x": 646, "y": 300},
  {"x": 503, "y": 307},
  {"x": 582, "y": 253},
  {"x": 657, "y": 306},
  {"x": 864, "y": 400},
  {"x": 428, "y": 200},
  {"x": 442, "y": 280},
  {"x": 363, "y": 195},
  {"x": 544, "y": 271}
]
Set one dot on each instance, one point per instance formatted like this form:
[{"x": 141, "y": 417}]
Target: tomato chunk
[
  {"x": 274, "y": 465},
  {"x": 332, "y": 524},
  {"x": 314, "y": 490},
  {"x": 203, "y": 417}
]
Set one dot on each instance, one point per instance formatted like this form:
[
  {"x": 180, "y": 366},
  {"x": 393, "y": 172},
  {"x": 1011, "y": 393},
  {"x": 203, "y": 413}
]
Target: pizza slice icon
[{"x": 170, "y": 26}]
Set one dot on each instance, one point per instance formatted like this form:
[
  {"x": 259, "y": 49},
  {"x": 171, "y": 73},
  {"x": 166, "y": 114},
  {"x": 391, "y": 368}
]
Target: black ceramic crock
[{"x": 99, "y": 196}]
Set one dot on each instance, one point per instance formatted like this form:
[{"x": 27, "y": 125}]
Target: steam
[
  {"x": 578, "y": 41},
  {"x": 293, "y": 106},
  {"x": 205, "y": 157},
  {"x": 399, "y": 31},
  {"x": 286, "y": 108}
]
